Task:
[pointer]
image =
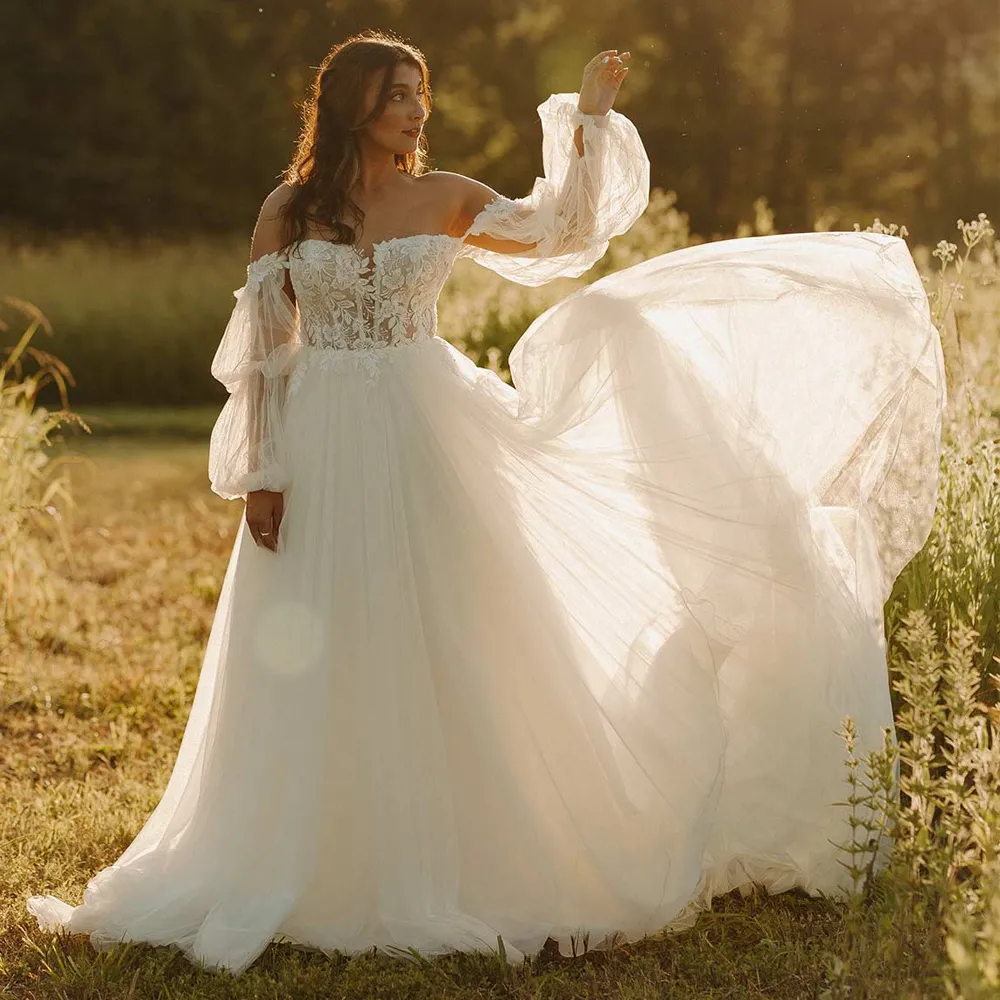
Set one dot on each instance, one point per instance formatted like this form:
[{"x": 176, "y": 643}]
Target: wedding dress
[{"x": 562, "y": 660}]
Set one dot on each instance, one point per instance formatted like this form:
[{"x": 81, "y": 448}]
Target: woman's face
[{"x": 403, "y": 111}]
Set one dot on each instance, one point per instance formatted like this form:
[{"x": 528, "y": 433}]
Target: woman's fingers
[
  {"x": 264, "y": 532},
  {"x": 270, "y": 535},
  {"x": 611, "y": 67},
  {"x": 611, "y": 60},
  {"x": 602, "y": 58},
  {"x": 256, "y": 530},
  {"x": 264, "y": 512},
  {"x": 277, "y": 513}
]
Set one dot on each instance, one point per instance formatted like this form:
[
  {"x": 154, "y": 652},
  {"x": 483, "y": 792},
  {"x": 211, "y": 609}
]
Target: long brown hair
[{"x": 327, "y": 161}]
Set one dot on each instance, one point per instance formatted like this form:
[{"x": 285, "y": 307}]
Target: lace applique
[
  {"x": 266, "y": 264},
  {"x": 500, "y": 208},
  {"x": 348, "y": 301},
  {"x": 355, "y": 310}
]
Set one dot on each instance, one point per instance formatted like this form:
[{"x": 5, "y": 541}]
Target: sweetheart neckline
[
  {"x": 369, "y": 258},
  {"x": 381, "y": 243}
]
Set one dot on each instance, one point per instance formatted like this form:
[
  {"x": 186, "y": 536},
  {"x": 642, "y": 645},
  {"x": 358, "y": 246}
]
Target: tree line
[{"x": 174, "y": 117}]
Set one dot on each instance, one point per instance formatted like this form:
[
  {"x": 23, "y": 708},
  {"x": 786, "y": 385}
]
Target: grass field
[{"x": 109, "y": 617}]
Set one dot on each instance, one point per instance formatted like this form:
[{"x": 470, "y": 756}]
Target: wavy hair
[{"x": 327, "y": 161}]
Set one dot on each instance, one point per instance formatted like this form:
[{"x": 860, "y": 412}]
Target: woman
[{"x": 564, "y": 660}]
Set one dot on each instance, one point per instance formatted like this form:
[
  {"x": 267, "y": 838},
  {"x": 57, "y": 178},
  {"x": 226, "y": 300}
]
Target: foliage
[
  {"x": 937, "y": 791},
  {"x": 135, "y": 324},
  {"x": 940, "y": 888},
  {"x": 30, "y": 489},
  {"x": 177, "y": 117},
  {"x": 956, "y": 576}
]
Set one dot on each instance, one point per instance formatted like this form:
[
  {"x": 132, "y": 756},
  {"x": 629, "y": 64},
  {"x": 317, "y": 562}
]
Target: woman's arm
[
  {"x": 602, "y": 79},
  {"x": 595, "y": 185},
  {"x": 252, "y": 361}
]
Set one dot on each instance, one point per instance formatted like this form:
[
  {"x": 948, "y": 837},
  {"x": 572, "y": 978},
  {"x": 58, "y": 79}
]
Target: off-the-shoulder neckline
[
  {"x": 385, "y": 242},
  {"x": 282, "y": 255}
]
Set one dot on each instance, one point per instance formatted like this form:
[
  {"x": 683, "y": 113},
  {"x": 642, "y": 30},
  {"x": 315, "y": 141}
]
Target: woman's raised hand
[{"x": 602, "y": 77}]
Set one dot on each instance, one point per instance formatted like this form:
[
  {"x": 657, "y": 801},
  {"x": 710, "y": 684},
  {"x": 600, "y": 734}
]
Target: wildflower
[{"x": 945, "y": 251}]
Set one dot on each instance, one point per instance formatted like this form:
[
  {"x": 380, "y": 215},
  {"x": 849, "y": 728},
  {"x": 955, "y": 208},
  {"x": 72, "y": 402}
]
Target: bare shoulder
[
  {"x": 462, "y": 198},
  {"x": 268, "y": 232},
  {"x": 277, "y": 199}
]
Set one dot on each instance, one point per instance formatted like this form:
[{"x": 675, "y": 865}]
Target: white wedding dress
[{"x": 557, "y": 660}]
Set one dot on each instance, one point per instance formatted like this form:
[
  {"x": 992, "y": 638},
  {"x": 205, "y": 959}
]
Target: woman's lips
[{"x": 413, "y": 131}]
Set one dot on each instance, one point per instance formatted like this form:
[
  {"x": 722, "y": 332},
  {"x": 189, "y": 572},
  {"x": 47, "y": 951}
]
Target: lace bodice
[
  {"x": 350, "y": 308},
  {"x": 349, "y": 301}
]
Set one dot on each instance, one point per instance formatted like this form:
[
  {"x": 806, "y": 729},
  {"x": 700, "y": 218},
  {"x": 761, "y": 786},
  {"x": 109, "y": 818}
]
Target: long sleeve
[
  {"x": 578, "y": 206},
  {"x": 252, "y": 361}
]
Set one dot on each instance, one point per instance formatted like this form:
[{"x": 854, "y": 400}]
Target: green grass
[
  {"x": 135, "y": 324},
  {"x": 179, "y": 422}
]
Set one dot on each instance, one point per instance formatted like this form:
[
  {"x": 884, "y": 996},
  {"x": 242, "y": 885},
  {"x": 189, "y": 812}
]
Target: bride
[{"x": 560, "y": 660}]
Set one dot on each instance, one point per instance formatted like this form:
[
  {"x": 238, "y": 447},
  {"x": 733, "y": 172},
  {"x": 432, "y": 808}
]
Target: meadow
[{"x": 112, "y": 551}]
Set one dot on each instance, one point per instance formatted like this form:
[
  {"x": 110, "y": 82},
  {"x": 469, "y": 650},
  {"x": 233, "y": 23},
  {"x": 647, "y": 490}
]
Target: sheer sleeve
[
  {"x": 578, "y": 206},
  {"x": 252, "y": 362}
]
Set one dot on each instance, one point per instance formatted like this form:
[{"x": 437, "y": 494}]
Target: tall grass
[
  {"x": 136, "y": 323},
  {"x": 33, "y": 491},
  {"x": 956, "y": 576},
  {"x": 937, "y": 791}
]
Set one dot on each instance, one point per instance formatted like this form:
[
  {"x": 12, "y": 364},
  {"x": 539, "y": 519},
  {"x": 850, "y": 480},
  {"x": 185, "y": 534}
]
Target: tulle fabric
[
  {"x": 252, "y": 361},
  {"x": 564, "y": 659},
  {"x": 561, "y": 660}
]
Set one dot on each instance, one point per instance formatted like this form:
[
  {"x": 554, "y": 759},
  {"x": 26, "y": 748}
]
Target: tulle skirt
[{"x": 565, "y": 660}]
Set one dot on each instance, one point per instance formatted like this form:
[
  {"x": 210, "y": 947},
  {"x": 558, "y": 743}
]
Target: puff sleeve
[
  {"x": 252, "y": 362},
  {"x": 578, "y": 206}
]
